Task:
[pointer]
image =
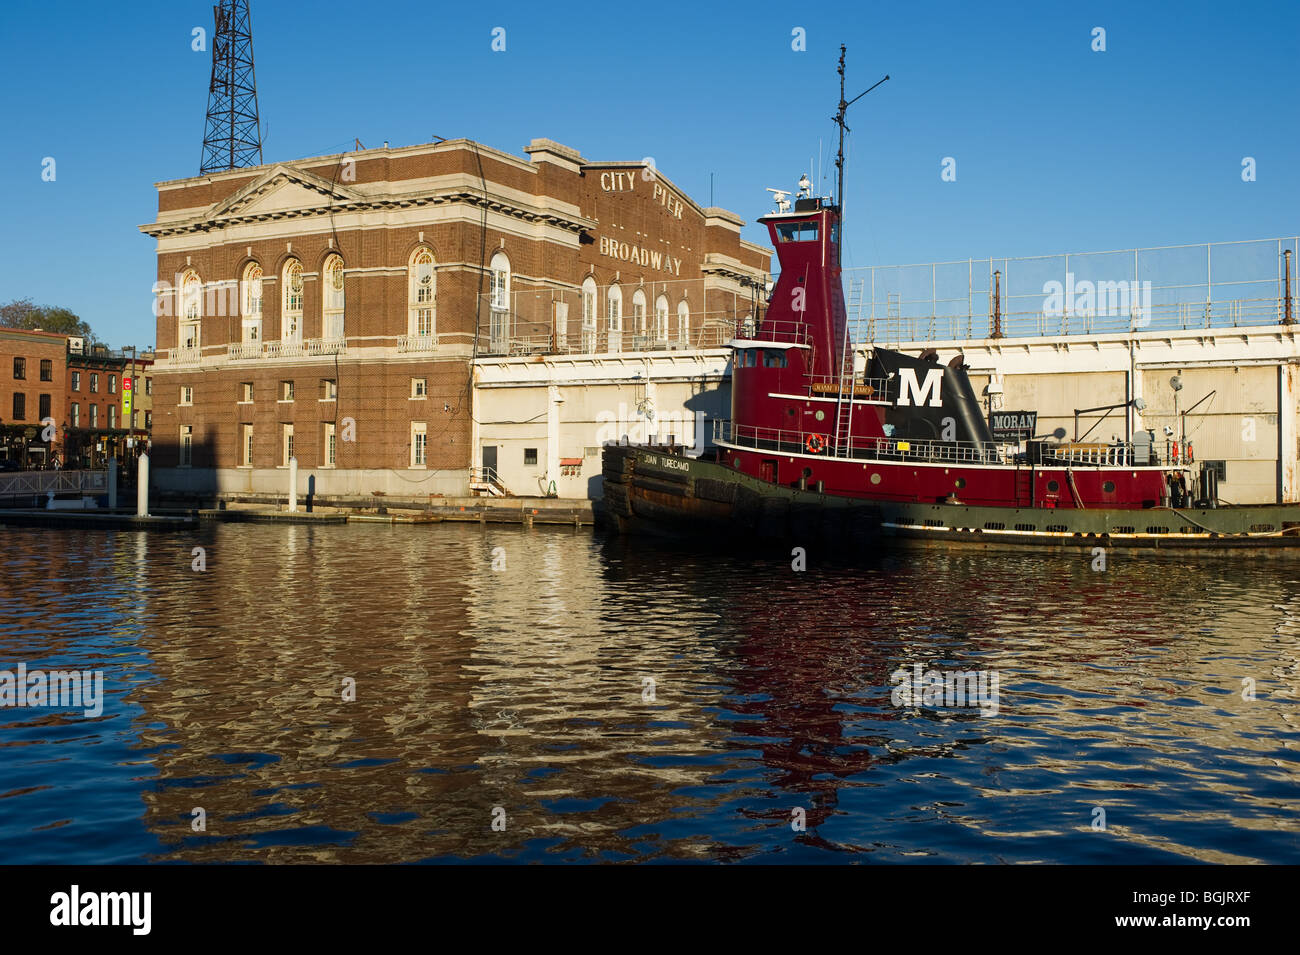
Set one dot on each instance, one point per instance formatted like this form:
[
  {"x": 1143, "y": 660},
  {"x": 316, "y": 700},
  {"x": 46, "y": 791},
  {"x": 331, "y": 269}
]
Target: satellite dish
[
  {"x": 1176, "y": 383},
  {"x": 1139, "y": 404}
]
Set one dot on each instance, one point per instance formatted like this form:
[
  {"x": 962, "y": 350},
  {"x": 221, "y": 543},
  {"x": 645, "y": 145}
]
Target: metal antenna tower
[{"x": 232, "y": 138}]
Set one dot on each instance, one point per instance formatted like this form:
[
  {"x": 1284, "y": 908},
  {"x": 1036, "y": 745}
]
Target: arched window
[
  {"x": 500, "y": 281},
  {"x": 420, "y": 298},
  {"x": 291, "y": 320},
  {"x": 252, "y": 306},
  {"x": 191, "y": 309},
  {"x": 638, "y": 314},
  {"x": 332, "y": 309},
  {"x": 683, "y": 322},
  {"x": 661, "y": 319},
  {"x": 588, "y": 315},
  {"x": 499, "y": 300},
  {"x": 614, "y": 317}
]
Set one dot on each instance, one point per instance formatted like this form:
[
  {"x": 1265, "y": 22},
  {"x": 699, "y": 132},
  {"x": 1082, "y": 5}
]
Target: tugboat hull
[{"x": 663, "y": 492}]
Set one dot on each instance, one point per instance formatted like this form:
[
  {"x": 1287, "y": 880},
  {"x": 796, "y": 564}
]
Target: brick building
[
  {"x": 32, "y": 376},
  {"x": 331, "y": 309},
  {"x": 96, "y": 424}
]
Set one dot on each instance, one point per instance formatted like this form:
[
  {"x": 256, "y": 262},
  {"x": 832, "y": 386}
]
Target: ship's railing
[
  {"x": 884, "y": 449},
  {"x": 796, "y": 333},
  {"x": 1096, "y": 455}
]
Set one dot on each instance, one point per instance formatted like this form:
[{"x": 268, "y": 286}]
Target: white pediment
[{"x": 282, "y": 189}]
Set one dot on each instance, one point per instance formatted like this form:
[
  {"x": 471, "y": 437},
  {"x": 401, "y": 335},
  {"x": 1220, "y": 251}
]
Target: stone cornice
[{"x": 568, "y": 222}]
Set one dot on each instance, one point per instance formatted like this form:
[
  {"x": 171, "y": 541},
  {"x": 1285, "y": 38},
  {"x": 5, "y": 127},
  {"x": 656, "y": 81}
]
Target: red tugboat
[{"x": 816, "y": 449}]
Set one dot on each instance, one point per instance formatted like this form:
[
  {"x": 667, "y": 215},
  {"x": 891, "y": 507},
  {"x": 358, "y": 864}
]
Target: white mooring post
[
  {"x": 112, "y": 483},
  {"x": 293, "y": 485},
  {"x": 142, "y": 487}
]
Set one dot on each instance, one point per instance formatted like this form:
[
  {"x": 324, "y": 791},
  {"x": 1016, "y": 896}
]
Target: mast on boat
[
  {"x": 843, "y": 421},
  {"x": 839, "y": 156}
]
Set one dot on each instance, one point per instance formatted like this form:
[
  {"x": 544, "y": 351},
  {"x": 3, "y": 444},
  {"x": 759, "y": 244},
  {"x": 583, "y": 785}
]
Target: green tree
[{"x": 23, "y": 313}]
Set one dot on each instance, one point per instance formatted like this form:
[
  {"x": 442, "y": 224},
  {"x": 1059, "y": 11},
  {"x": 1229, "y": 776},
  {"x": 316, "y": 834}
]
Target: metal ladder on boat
[{"x": 844, "y": 404}]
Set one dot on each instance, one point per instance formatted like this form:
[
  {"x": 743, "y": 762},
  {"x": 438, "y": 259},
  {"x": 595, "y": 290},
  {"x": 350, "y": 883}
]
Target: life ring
[
  {"x": 816, "y": 444},
  {"x": 1175, "y": 452}
]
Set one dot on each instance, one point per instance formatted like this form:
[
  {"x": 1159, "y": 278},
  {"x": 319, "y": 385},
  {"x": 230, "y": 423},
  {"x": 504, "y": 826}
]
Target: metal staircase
[
  {"x": 486, "y": 482},
  {"x": 848, "y": 376}
]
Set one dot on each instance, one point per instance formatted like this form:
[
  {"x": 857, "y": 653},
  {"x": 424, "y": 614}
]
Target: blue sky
[{"x": 1057, "y": 147}]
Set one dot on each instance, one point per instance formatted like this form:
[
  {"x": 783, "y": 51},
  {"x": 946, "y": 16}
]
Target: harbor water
[{"x": 457, "y": 693}]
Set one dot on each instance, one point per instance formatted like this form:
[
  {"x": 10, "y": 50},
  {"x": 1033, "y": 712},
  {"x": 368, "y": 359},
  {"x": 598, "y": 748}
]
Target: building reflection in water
[{"x": 525, "y": 687}]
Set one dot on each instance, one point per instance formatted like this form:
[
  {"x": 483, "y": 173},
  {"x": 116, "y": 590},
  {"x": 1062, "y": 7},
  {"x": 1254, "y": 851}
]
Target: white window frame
[
  {"x": 614, "y": 317},
  {"x": 333, "y": 298},
  {"x": 683, "y": 322},
  {"x": 190, "y": 311},
  {"x": 329, "y": 445},
  {"x": 246, "y": 446},
  {"x": 286, "y": 443},
  {"x": 186, "y": 446},
  {"x": 419, "y": 444},
  {"x": 251, "y": 312},
  {"x": 291, "y": 303},
  {"x": 187, "y": 395},
  {"x": 419, "y": 388},
  {"x": 589, "y": 323},
  {"x": 422, "y": 296},
  {"x": 638, "y": 313},
  {"x": 499, "y": 302},
  {"x": 661, "y": 319}
]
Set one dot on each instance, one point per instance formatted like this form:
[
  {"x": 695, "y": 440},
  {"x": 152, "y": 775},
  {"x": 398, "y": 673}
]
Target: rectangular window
[
  {"x": 148, "y": 386},
  {"x": 246, "y": 392},
  {"x": 329, "y": 389},
  {"x": 328, "y": 445},
  {"x": 419, "y": 387},
  {"x": 94, "y": 416},
  {"x": 76, "y": 381},
  {"x": 187, "y": 445},
  {"x": 419, "y": 444},
  {"x": 44, "y": 402},
  {"x": 20, "y": 406},
  {"x": 47, "y": 370},
  {"x": 530, "y": 456},
  {"x": 112, "y": 384},
  {"x": 286, "y": 443},
  {"x": 1218, "y": 467},
  {"x": 112, "y": 416},
  {"x": 286, "y": 391},
  {"x": 76, "y": 414},
  {"x": 187, "y": 392},
  {"x": 246, "y": 446},
  {"x": 20, "y": 368},
  {"x": 148, "y": 420},
  {"x": 94, "y": 384}
]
